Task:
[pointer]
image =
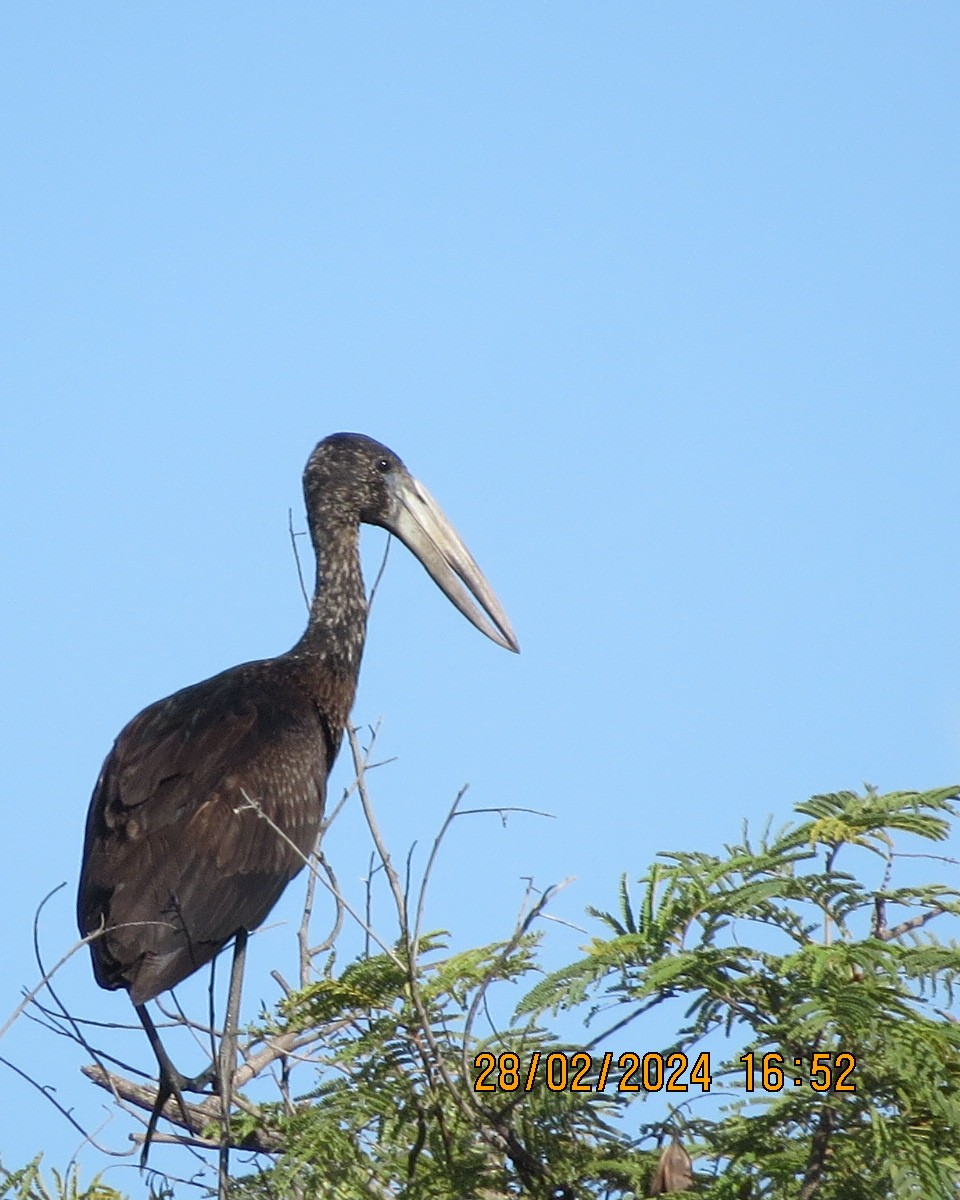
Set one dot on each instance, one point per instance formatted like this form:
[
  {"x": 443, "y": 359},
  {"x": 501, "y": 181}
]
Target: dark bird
[{"x": 182, "y": 851}]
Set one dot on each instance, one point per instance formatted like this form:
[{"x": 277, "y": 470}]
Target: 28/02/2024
[{"x": 580, "y": 1071}]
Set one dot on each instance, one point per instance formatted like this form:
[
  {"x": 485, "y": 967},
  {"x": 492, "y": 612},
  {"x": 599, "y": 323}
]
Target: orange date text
[{"x": 579, "y": 1071}]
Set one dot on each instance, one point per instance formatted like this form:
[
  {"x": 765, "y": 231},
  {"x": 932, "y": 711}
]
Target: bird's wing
[{"x": 205, "y": 809}]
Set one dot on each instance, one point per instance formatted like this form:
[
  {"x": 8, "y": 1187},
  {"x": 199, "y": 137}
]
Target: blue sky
[{"x": 660, "y": 301}]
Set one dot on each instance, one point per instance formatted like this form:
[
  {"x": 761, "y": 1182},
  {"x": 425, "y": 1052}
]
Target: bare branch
[
  {"x": 30, "y": 996},
  {"x": 525, "y": 919},
  {"x": 46, "y": 1092},
  {"x": 432, "y": 858},
  {"x": 944, "y": 858},
  {"x": 308, "y": 952},
  {"x": 917, "y": 922},
  {"x": 383, "y": 567},
  {"x": 369, "y": 816},
  {"x": 252, "y": 804},
  {"x": 504, "y": 811},
  {"x": 493, "y": 1129},
  {"x": 204, "y": 1114},
  {"x": 296, "y": 556},
  {"x": 819, "y": 1151}
]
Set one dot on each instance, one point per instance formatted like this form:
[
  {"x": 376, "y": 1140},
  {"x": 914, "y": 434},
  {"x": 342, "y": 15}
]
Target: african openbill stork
[{"x": 177, "y": 860}]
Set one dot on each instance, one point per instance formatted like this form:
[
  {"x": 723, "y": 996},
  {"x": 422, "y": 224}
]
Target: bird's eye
[{"x": 383, "y": 464}]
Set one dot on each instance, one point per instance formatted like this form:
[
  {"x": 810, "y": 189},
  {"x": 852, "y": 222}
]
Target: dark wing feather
[{"x": 177, "y": 857}]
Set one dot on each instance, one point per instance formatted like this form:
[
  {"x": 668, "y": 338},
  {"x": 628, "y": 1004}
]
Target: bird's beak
[{"x": 418, "y": 521}]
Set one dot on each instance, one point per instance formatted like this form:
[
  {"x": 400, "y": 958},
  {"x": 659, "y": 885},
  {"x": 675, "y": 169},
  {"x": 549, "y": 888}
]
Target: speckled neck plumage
[{"x": 331, "y": 647}]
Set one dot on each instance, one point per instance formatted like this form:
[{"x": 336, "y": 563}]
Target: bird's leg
[
  {"x": 170, "y": 1083},
  {"x": 227, "y": 1058}
]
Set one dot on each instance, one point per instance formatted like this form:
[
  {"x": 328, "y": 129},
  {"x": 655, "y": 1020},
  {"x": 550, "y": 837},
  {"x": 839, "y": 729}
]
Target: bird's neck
[{"x": 332, "y": 643}]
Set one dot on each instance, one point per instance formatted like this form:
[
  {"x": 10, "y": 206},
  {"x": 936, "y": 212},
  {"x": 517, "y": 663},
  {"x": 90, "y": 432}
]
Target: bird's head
[{"x": 360, "y": 479}]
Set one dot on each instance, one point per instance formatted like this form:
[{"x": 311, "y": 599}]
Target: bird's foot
[
  {"x": 204, "y": 1081},
  {"x": 171, "y": 1085}
]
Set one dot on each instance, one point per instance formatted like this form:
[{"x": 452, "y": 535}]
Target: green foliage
[
  {"x": 778, "y": 949},
  {"x": 394, "y": 1099},
  {"x": 29, "y": 1184},
  {"x": 794, "y": 964}
]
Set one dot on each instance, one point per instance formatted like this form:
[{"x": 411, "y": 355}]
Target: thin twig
[
  {"x": 46, "y": 1092},
  {"x": 368, "y": 813},
  {"x": 296, "y": 555},
  {"x": 917, "y": 922},
  {"x": 945, "y": 858},
  {"x": 330, "y": 940},
  {"x": 525, "y": 919},
  {"x": 494, "y": 1131},
  {"x": 303, "y": 933},
  {"x": 819, "y": 1151},
  {"x": 47, "y": 975},
  {"x": 255, "y": 807},
  {"x": 46, "y": 981},
  {"x": 432, "y": 858},
  {"x": 200, "y": 1114},
  {"x": 383, "y": 567},
  {"x": 503, "y": 810}
]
